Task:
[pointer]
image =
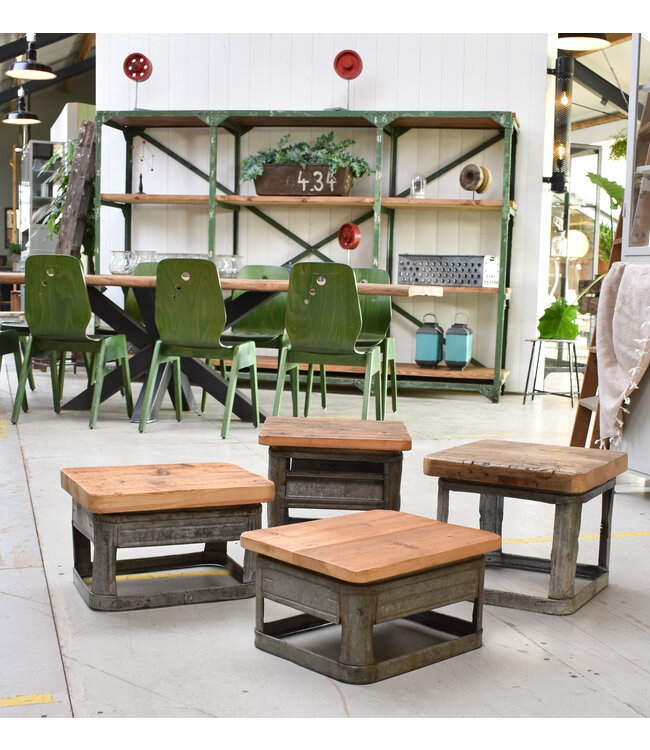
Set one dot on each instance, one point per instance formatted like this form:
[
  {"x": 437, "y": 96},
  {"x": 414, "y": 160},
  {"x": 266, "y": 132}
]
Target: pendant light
[
  {"x": 29, "y": 69},
  {"x": 21, "y": 116},
  {"x": 582, "y": 42}
]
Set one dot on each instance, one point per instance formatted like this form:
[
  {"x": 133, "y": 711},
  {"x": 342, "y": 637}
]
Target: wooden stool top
[
  {"x": 556, "y": 468},
  {"x": 130, "y": 489},
  {"x": 347, "y": 434},
  {"x": 370, "y": 546}
]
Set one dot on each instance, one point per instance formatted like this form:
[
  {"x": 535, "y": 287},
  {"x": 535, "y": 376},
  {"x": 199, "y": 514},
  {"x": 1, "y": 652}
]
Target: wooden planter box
[{"x": 292, "y": 179}]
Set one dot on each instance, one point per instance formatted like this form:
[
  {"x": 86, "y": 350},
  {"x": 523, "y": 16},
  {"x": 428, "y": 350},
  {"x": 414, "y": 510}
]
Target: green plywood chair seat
[
  {"x": 57, "y": 311},
  {"x": 10, "y": 344},
  {"x": 323, "y": 322},
  {"x": 190, "y": 317},
  {"x": 265, "y": 324}
]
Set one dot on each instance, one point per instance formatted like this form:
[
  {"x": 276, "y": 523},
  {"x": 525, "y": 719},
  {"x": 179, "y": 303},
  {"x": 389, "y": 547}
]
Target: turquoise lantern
[
  {"x": 428, "y": 342},
  {"x": 458, "y": 346}
]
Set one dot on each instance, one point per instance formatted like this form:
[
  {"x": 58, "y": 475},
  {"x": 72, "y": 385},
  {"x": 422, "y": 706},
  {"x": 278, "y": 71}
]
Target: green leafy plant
[
  {"x": 605, "y": 239},
  {"x": 13, "y": 248},
  {"x": 558, "y": 320},
  {"x": 615, "y": 193},
  {"x": 618, "y": 148},
  {"x": 325, "y": 150},
  {"x": 61, "y": 166}
]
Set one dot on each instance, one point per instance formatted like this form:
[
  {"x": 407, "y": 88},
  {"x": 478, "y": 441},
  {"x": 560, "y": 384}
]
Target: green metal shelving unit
[{"x": 389, "y": 126}]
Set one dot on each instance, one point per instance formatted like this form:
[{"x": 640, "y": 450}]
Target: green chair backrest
[
  {"x": 323, "y": 313},
  {"x": 267, "y": 319},
  {"x": 376, "y": 309},
  {"x": 189, "y": 303},
  {"x": 56, "y": 298},
  {"x": 146, "y": 268}
]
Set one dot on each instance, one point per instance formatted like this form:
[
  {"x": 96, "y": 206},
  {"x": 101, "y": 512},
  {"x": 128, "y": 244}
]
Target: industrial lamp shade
[
  {"x": 21, "y": 116},
  {"x": 582, "y": 42},
  {"x": 29, "y": 69}
]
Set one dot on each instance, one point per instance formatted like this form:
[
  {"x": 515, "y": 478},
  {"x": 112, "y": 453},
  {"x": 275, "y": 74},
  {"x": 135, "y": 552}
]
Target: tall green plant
[{"x": 61, "y": 166}]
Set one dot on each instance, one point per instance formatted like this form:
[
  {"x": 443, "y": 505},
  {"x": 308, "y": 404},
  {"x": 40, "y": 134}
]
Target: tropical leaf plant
[
  {"x": 557, "y": 322},
  {"x": 325, "y": 150}
]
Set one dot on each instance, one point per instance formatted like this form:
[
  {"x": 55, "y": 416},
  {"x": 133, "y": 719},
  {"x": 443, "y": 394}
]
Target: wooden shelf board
[
  {"x": 332, "y": 118},
  {"x": 404, "y": 370},
  {"x": 324, "y": 201},
  {"x": 429, "y": 204}
]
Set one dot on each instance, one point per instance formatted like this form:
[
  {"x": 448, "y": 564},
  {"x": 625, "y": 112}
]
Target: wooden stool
[
  {"x": 156, "y": 505},
  {"x": 364, "y": 569},
  {"x": 567, "y": 478},
  {"x": 336, "y": 464}
]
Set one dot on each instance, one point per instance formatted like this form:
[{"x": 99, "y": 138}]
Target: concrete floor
[{"x": 61, "y": 659}]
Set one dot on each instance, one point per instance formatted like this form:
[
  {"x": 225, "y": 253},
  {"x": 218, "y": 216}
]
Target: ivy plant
[{"x": 325, "y": 150}]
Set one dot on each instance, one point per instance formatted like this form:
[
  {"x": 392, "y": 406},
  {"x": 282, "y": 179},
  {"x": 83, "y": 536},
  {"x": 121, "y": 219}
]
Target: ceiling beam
[
  {"x": 597, "y": 121},
  {"x": 598, "y": 85},
  {"x": 85, "y": 46},
  {"x": 18, "y": 47},
  {"x": 32, "y": 87}
]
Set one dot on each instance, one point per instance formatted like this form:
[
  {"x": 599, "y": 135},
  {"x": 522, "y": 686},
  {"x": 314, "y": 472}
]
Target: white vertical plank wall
[{"x": 449, "y": 72}]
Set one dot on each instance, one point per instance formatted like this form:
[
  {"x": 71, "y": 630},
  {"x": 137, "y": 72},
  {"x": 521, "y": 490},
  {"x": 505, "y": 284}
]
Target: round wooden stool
[
  {"x": 362, "y": 570},
  {"x": 566, "y": 477},
  {"x": 154, "y": 505}
]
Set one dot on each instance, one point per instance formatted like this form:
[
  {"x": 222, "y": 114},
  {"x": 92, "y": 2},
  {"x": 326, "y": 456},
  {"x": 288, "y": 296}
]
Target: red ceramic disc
[
  {"x": 348, "y": 64},
  {"x": 349, "y": 236},
  {"x": 137, "y": 67}
]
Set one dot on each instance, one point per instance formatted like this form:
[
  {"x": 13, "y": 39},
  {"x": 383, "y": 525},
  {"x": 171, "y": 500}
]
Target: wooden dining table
[{"x": 143, "y": 335}]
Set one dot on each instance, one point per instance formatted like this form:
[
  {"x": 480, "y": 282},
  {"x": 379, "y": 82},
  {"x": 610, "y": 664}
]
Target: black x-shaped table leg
[{"x": 143, "y": 336}]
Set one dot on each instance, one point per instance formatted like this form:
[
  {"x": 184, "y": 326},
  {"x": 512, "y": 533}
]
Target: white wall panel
[{"x": 444, "y": 72}]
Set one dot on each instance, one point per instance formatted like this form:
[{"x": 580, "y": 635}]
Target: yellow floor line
[
  {"x": 27, "y": 700},
  {"x": 585, "y": 536},
  {"x": 176, "y": 574},
  {"x": 4, "y": 428}
]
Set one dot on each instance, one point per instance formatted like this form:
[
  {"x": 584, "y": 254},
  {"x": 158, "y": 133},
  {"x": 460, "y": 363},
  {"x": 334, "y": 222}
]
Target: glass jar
[{"x": 122, "y": 262}]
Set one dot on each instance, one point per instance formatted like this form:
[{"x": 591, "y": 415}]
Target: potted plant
[
  {"x": 558, "y": 320},
  {"x": 325, "y": 168}
]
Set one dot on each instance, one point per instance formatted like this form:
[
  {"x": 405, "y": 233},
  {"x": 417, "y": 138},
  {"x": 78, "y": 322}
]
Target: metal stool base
[
  {"x": 96, "y": 579},
  {"x": 562, "y": 567},
  {"x": 357, "y": 608},
  {"x": 333, "y": 480}
]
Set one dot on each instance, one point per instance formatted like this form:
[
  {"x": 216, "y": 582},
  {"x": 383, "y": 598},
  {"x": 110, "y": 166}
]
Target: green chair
[
  {"x": 190, "y": 317},
  {"x": 57, "y": 311},
  {"x": 265, "y": 324},
  {"x": 323, "y": 322},
  {"x": 10, "y": 344},
  {"x": 147, "y": 268},
  {"x": 376, "y": 315}
]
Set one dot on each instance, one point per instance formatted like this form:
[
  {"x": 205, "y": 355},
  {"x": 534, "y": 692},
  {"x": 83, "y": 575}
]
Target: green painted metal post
[{"x": 506, "y": 220}]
